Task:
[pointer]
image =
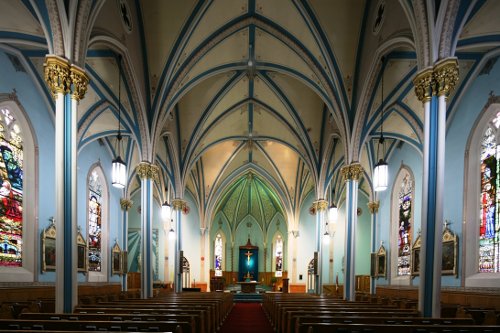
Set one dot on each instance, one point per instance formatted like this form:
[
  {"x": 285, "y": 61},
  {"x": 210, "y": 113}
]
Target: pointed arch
[
  {"x": 97, "y": 223},
  {"x": 18, "y": 191},
  {"x": 402, "y": 205}
]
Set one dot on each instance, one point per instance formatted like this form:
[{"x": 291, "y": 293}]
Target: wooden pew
[
  {"x": 93, "y": 325},
  {"x": 201, "y": 314},
  {"x": 300, "y": 327},
  {"x": 190, "y": 318},
  {"x": 394, "y": 328}
]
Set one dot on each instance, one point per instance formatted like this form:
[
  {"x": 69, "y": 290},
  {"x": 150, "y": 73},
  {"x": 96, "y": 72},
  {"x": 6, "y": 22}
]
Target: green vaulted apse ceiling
[{"x": 249, "y": 196}]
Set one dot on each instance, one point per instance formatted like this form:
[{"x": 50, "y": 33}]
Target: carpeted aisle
[{"x": 246, "y": 318}]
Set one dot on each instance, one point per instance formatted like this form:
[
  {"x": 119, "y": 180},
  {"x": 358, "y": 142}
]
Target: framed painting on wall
[
  {"x": 49, "y": 247},
  {"x": 81, "y": 252},
  {"x": 381, "y": 262},
  {"x": 116, "y": 260}
]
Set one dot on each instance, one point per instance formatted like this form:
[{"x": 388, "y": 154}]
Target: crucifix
[{"x": 248, "y": 254}]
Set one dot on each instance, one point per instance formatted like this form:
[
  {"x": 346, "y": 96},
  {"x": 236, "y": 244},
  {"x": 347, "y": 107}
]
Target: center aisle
[{"x": 246, "y": 318}]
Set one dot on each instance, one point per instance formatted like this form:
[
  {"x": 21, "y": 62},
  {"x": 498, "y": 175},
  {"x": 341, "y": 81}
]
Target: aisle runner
[{"x": 246, "y": 318}]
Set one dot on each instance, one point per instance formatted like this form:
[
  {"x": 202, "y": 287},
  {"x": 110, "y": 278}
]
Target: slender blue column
[
  {"x": 125, "y": 206},
  {"x": 432, "y": 86},
  {"x": 320, "y": 206},
  {"x": 148, "y": 173},
  {"x": 351, "y": 174},
  {"x": 373, "y": 207},
  {"x": 62, "y": 79},
  {"x": 178, "y": 205}
]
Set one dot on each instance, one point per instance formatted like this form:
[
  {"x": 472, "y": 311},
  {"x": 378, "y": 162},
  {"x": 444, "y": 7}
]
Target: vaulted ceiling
[{"x": 289, "y": 90}]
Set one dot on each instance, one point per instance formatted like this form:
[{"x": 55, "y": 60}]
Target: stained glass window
[
  {"x": 404, "y": 224},
  {"x": 489, "y": 226},
  {"x": 218, "y": 255},
  {"x": 95, "y": 222},
  {"x": 11, "y": 191},
  {"x": 279, "y": 256}
]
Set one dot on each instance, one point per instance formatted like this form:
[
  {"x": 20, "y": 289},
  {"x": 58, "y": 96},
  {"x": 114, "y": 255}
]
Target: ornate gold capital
[
  {"x": 352, "y": 171},
  {"x": 57, "y": 75},
  {"x": 424, "y": 82},
  {"x": 147, "y": 170},
  {"x": 80, "y": 82},
  {"x": 446, "y": 76},
  {"x": 373, "y": 206},
  {"x": 126, "y": 204},
  {"x": 178, "y": 204},
  {"x": 320, "y": 205}
]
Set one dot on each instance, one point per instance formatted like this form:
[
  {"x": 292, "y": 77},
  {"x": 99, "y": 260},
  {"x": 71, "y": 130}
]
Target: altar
[{"x": 248, "y": 287}]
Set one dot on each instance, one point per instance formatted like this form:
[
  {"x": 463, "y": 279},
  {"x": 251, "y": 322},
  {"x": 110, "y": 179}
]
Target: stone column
[
  {"x": 178, "y": 205},
  {"x": 320, "y": 206},
  {"x": 432, "y": 87},
  {"x": 373, "y": 208},
  {"x": 125, "y": 205},
  {"x": 148, "y": 174},
  {"x": 351, "y": 174},
  {"x": 61, "y": 79}
]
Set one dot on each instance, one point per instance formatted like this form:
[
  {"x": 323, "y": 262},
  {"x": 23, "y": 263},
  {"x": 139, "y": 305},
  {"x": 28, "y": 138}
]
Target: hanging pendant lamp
[
  {"x": 119, "y": 168},
  {"x": 381, "y": 171}
]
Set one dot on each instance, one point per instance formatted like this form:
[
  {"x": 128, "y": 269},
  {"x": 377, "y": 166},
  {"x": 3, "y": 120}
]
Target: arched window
[
  {"x": 481, "y": 231},
  {"x": 278, "y": 254},
  {"x": 18, "y": 193},
  {"x": 97, "y": 224},
  {"x": 186, "y": 271},
  {"x": 402, "y": 217},
  {"x": 11, "y": 191},
  {"x": 489, "y": 226},
  {"x": 311, "y": 276},
  {"x": 218, "y": 254}
]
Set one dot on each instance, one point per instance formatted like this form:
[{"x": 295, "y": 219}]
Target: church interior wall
[
  {"x": 306, "y": 240},
  {"x": 408, "y": 156},
  {"x": 363, "y": 232},
  {"x": 191, "y": 238}
]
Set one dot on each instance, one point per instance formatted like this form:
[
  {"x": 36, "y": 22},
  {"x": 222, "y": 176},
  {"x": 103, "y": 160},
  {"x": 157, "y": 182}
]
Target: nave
[{"x": 219, "y": 312}]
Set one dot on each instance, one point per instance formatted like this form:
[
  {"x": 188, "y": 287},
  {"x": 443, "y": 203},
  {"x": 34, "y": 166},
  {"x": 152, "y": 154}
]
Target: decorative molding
[
  {"x": 321, "y": 205},
  {"x": 57, "y": 75},
  {"x": 126, "y": 204},
  {"x": 179, "y": 204},
  {"x": 147, "y": 170},
  {"x": 352, "y": 171},
  {"x": 423, "y": 85},
  {"x": 439, "y": 80},
  {"x": 373, "y": 206},
  {"x": 446, "y": 76},
  {"x": 80, "y": 82}
]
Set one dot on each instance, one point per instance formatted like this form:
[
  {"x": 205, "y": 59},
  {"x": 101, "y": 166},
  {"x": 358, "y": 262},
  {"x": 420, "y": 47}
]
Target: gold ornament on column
[
  {"x": 57, "y": 75},
  {"x": 352, "y": 171},
  {"x": 423, "y": 83},
  {"x": 446, "y": 76},
  {"x": 147, "y": 170},
  {"x": 373, "y": 206},
  {"x": 80, "y": 82},
  {"x": 125, "y": 204}
]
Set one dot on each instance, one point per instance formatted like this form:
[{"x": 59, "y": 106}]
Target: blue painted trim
[
  {"x": 357, "y": 67},
  {"x": 144, "y": 52},
  {"x": 476, "y": 8},
  {"x": 348, "y": 254},
  {"x": 478, "y": 40},
  {"x": 147, "y": 232},
  {"x": 452, "y": 104},
  {"x": 24, "y": 37},
  {"x": 45, "y": 19},
  {"x": 431, "y": 209},
  {"x": 462, "y": 10},
  {"x": 101, "y": 54},
  {"x": 173, "y": 56},
  {"x": 42, "y": 84},
  {"x": 325, "y": 49},
  {"x": 68, "y": 201}
]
